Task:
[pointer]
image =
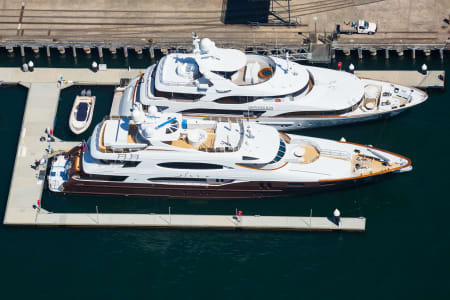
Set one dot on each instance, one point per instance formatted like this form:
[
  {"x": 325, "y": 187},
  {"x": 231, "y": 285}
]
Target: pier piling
[
  {"x": 62, "y": 50},
  {"x": 152, "y": 53},
  {"x": 360, "y": 53},
  {"x": 74, "y": 51},
  {"x": 386, "y": 53},
  {"x": 413, "y": 53},
  {"x": 100, "y": 52},
  {"x": 125, "y": 52},
  {"x": 22, "y": 51},
  {"x": 441, "y": 54},
  {"x": 48, "y": 51}
]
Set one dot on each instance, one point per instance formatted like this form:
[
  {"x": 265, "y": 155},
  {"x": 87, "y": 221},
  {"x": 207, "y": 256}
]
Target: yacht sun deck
[{"x": 124, "y": 135}]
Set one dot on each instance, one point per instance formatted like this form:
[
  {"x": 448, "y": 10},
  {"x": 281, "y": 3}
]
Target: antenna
[
  {"x": 195, "y": 43},
  {"x": 287, "y": 60}
]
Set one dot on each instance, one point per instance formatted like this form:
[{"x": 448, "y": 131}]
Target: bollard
[
  {"x": 94, "y": 66},
  {"x": 424, "y": 69},
  {"x": 337, "y": 217},
  {"x": 31, "y": 66},
  {"x": 351, "y": 68}
]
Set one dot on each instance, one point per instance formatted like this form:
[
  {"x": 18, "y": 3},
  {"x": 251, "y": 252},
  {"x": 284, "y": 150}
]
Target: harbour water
[{"x": 403, "y": 254}]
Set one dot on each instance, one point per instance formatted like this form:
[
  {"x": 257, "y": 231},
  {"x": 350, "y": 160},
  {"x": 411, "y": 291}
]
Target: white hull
[{"x": 78, "y": 127}]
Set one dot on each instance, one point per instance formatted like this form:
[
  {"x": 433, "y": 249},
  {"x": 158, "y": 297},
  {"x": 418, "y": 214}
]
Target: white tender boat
[
  {"x": 58, "y": 173},
  {"x": 82, "y": 112},
  {"x": 213, "y": 82},
  {"x": 164, "y": 154}
]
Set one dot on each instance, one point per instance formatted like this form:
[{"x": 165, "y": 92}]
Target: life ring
[{"x": 265, "y": 73}]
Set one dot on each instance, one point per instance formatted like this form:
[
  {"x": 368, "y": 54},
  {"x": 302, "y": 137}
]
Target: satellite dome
[
  {"x": 206, "y": 45},
  {"x": 138, "y": 116},
  {"x": 152, "y": 110}
]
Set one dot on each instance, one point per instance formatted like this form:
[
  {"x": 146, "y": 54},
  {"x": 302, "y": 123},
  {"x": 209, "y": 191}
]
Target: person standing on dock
[{"x": 337, "y": 217}]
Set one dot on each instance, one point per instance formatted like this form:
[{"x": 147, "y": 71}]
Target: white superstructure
[
  {"x": 153, "y": 149},
  {"x": 213, "y": 82}
]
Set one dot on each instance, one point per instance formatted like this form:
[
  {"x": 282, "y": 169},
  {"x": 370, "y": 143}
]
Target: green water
[{"x": 404, "y": 254}]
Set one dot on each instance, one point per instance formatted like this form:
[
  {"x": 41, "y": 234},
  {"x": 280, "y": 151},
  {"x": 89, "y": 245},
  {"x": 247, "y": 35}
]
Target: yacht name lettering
[
  {"x": 260, "y": 107},
  {"x": 127, "y": 156}
]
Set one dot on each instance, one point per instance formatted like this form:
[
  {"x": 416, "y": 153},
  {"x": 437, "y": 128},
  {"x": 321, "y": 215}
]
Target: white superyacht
[
  {"x": 165, "y": 154},
  {"x": 214, "y": 82}
]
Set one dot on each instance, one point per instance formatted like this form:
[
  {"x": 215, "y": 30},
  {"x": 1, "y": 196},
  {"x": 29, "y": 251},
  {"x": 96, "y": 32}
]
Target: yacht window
[
  {"x": 53, "y": 173},
  {"x": 249, "y": 158},
  {"x": 281, "y": 152},
  {"x": 131, "y": 164},
  {"x": 177, "y": 179},
  {"x": 178, "y": 96},
  {"x": 239, "y": 113},
  {"x": 187, "y": 165},
  {"x": 322, "y": 112},
  {"x": 235, "y": 100},
  {"x": 107, "y": 177}
]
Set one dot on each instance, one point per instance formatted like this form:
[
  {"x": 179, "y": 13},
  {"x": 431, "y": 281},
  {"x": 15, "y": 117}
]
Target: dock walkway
[
  {"x": 432, "y": 79},
  {"x": 27, "y": 184},
  {"x": 70, "y": 76},
  {"x": 216, "y": 222}
]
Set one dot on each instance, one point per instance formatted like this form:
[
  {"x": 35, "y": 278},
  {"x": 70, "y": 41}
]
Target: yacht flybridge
[
  {"x": 213, "y": 82},
  {"x": 164, "y": 154}
]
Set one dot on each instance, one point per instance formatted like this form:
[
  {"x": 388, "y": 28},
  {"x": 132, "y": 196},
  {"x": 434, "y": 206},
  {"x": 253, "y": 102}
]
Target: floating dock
[
  {"x": 67, "y": 76},
  {"x": 215, "y": 222},
  {"x": 430, "y": 79},
  {"x": 24, "y": 205}
]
